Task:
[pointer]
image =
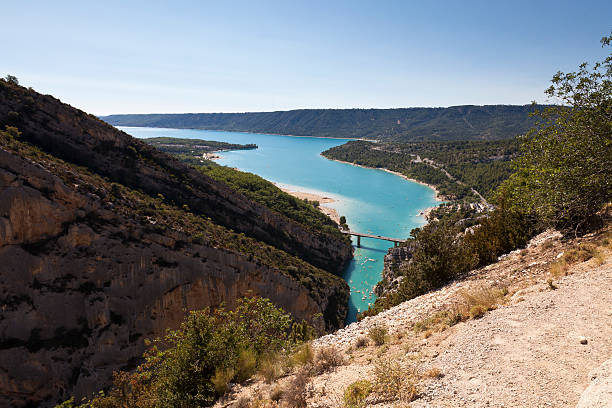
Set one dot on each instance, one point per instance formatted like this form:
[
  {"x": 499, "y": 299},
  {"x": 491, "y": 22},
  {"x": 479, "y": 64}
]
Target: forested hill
[{"x": 468, "y": 122}]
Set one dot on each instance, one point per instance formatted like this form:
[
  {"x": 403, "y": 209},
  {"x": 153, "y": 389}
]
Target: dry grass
[
  {"x": 559, "y": 268},
  {"x": 276, "y": 394},
  {"x": 378, "y": 334},
  {"x": 242, "y": 402},
  {"x": 271, "y": 368},
  {"x": 296, "y": 393},
  {"x": 328, "y": 358},
  {"x": 548, "y": 244},
  {"x": 304, "y": 355},
  {"x": 221, "y": 379},
  {"x": 433, "y": 372},
  {"x": 356, "y": 394},
  {"x": 581, "y": 253},
  {"x": 392, "y": 382},
  {"x": 437, "y": 322},
  {"x": 362, "y": 342},
  {"x": 477, "y": 302}
]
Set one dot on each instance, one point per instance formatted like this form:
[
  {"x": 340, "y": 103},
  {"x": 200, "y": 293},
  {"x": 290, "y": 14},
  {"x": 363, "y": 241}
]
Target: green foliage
[
  {"x": 11, "y": 79},
  {"x": 472, "y": 164},
  {"x": 378, "y": 335},
  {"x": 564, "y": 175},
  {"x": 191, "y": 151},
  {"x": 356, "y": 393},
  {"x": 443, "y": 251},
  {"x": 266, "y": 193},
  {"x": 193, "y": 365},
  {"x": 408, "y": 124}
]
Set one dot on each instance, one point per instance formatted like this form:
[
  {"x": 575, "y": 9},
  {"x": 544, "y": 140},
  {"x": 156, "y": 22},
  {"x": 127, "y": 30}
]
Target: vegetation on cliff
[
  {"x": 469, "y": 122},
  {"x": 193, "y": 151},
  {"x": 562, "y": 178},
  {"x": 453, "y": 168},
  {"x": 264, "y": 192},
  {"x": 82, "y": 139},
  {"x": 193, "y": 365},
  {"x": 91, "y": 216}
]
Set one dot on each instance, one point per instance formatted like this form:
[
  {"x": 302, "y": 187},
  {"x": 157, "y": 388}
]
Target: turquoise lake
[{"x": 373, "y": 201}]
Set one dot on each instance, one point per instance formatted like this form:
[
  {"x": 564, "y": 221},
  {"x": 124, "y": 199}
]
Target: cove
[{"x": 373, "y": 201}]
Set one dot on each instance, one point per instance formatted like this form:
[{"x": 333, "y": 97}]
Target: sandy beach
[
  {"x": 330, "y": 212},
  {"x": 437, "y": 195}
]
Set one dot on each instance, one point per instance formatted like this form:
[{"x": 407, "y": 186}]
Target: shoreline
[
  {"x": 330, "y": 212},
  {"x": 252, "y": 133},
  {"x": 425, "y": 212}
]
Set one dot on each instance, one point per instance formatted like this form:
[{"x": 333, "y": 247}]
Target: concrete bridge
[{"x": 395, "y": 241}]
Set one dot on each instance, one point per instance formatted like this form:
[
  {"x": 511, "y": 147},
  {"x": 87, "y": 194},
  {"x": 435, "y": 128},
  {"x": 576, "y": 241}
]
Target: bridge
[{"x": 395, "y": 241}]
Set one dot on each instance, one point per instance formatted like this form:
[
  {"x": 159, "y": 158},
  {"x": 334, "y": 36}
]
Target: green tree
[
  {"x": 11, "y": 79},
  {"x": 564, "y": 175}
]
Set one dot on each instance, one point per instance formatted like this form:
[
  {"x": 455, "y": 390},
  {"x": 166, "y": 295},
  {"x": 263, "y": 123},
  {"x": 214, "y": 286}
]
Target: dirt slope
[{"x": 542, "y": 346}]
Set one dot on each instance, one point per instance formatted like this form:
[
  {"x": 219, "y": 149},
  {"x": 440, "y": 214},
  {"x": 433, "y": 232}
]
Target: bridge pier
[
  {"x": 394, "y": 244},
  {"x": 358, "y": 241}
]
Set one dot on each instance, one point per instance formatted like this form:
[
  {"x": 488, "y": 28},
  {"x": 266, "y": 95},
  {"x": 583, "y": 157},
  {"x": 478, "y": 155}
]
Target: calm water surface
[{"x": 373, "y": 201}]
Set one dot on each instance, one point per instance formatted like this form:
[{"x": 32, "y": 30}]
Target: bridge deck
[{"x": 358, "y": 234}]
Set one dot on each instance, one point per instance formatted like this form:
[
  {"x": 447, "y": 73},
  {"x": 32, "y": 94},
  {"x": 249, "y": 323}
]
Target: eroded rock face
[
  {"x": 81, "y": 287},
  {"x": 82, "y": 139},
  {"x": 391, "y": 276}
]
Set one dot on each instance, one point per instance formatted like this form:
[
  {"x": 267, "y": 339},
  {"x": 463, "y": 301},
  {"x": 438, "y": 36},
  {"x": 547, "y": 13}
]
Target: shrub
[
  {"x": 378, "y": 335},
  {"x": 356, "y": 393},
  {"x": 362, "y": 341},
  {"x": 270, "y": 368},
  {"x": 303, "y": 355},
  {"x": 328, "y": 358},
  {"x": 295, "y": 394},
  {"x": 392, "y": 382},
  {"x": 221, "y": 379}
]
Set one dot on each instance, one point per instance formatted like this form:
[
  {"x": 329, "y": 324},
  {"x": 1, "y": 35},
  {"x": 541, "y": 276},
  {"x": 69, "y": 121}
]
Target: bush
[
  {"x": 361, "y": 342},
  {"x": 193, "y": 365},
  {"x": 393, "y": 383},
  {"x": 563, "y": 173},
  {"x": 295, "y": 394},
  {"x": 378, "y": 335},
  {"x": 304, "y": 355},
  {"x": 356, "y": 393},
  {"x": 328, "y": 358}
]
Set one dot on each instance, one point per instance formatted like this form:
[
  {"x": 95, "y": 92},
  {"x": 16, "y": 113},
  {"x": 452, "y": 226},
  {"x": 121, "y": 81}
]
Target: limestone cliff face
[
  {"x": 391, "y": 275},
  {"x": 82, "y": 286},
  {"x": 82, "y": 139}
]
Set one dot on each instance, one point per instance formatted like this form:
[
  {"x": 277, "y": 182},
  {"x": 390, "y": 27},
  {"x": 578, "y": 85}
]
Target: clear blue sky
[{"x": 225, "y": 56}]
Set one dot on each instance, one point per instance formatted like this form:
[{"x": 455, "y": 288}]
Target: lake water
[{"x": 373, "y": 201}]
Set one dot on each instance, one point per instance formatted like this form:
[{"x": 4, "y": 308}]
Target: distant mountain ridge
[{"x": 467, "y": 122}]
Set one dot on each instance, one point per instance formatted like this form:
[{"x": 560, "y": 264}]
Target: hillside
[
  {"x": 106, "y": 241},
  {"x": 461, "y": 170},
  {"x": 468, "y": 122},
  {"x": 528, "y": 334}
]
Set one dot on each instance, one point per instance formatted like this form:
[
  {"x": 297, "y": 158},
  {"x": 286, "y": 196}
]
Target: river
[{"x": 373, "y": 201}]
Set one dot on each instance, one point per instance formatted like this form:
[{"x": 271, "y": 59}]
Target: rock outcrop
[
  {"x": 82, "y": 139},
  {"x": 84, "y": 280},
  {"x": 391, "y": 275}
]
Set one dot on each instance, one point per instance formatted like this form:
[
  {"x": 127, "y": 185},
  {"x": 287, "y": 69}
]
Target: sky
[{"x": 152, "y": 56}]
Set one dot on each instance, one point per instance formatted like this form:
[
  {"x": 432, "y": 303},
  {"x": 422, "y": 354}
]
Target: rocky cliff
[
  {"x": 82, "y": 139},
  {"x": 391, "y": 275},
  {"x": 90, "y": 268}
]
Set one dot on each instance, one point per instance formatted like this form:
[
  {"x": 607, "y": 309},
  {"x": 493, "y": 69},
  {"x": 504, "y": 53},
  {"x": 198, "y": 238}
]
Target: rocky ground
[{"x": 547, "y": 339}]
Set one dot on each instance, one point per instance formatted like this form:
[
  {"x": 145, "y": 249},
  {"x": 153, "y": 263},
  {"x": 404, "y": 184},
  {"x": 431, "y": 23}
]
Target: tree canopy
[{"x": 564, "y": 174}]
